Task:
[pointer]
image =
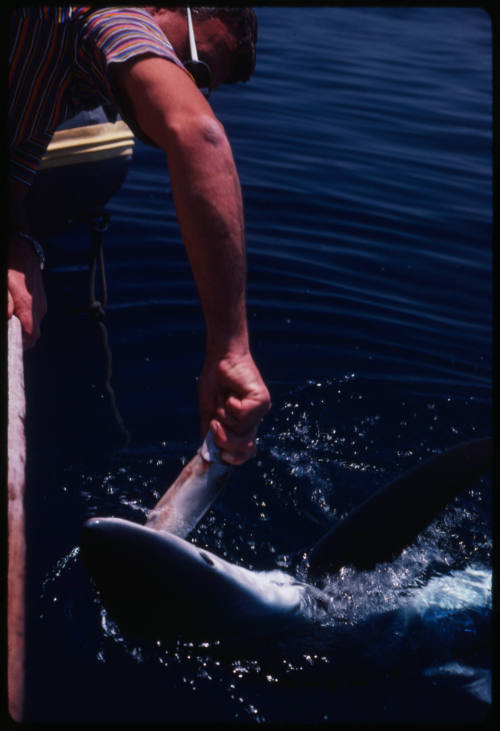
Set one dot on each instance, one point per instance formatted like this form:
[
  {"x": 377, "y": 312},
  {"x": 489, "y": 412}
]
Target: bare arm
[
  {"x": 207, "y": 196},
  {"x": 25, "y": 291}
]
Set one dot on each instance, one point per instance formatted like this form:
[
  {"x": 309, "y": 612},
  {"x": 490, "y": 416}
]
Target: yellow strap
[{"x": 88, "y": 144}]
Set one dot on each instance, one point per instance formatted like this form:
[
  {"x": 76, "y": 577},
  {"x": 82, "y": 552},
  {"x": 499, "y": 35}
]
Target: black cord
[{"x": 98, "y": 225}]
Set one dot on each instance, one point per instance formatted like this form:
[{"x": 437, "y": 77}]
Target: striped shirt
[{"x": 59, "y": 62}]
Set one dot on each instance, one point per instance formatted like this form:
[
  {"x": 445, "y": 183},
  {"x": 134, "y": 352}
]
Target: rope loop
[
  {"x": 97, "y": 311},
  {"x": 100, "y": 222},
  {"x": 98, "y": 225}
]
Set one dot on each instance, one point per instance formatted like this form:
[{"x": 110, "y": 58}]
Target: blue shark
[
  {"x": 155, "y": 583},
  {"x": 158, "y": 584}
]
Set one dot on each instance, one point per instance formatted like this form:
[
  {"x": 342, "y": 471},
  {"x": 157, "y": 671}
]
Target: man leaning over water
[{"x": 64, "y": 60}]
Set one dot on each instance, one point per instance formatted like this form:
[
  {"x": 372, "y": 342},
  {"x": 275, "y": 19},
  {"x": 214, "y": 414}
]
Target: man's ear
[{"x": 157, "y": 9}]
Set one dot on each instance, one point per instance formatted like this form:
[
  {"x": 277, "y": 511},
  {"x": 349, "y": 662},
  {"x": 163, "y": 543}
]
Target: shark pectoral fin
[
  {"x": 189, "y": 497},
  {"x": 388, "y": 521}
]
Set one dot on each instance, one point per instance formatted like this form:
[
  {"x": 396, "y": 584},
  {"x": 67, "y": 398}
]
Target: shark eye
[{"x": 207, "y": 558}]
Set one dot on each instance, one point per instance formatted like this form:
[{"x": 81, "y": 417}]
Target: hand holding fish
[{"x": 233, "y": 401}]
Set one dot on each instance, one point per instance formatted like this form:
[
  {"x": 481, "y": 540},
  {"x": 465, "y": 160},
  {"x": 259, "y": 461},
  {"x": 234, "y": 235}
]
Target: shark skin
[
  {"x": 156, "y": 584},
  {"x": 190, "y": 496}
]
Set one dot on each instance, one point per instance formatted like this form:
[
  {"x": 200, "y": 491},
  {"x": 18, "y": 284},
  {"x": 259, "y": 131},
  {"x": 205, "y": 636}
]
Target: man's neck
[{"x": 173, "y": 23}]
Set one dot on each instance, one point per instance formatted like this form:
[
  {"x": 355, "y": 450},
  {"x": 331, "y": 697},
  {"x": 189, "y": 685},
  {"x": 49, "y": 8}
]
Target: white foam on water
[
  {"x": 459, "y": 590},
  {"x": 477, "y": 680}
]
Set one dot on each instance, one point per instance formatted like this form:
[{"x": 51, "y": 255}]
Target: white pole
[{"x": 16, "y": 572}]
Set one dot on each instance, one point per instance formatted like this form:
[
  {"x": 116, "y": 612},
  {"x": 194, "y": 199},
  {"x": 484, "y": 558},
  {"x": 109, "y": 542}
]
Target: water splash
[
  {"x": 471, "y": 587},
  {"x": 50, "y": 584}
]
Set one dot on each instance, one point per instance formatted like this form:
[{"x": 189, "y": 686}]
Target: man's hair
[{"x": 242, "y": 24}]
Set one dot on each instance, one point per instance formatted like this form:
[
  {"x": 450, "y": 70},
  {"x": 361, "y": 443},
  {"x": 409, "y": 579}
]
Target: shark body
[{"x": 155, "y": 583}]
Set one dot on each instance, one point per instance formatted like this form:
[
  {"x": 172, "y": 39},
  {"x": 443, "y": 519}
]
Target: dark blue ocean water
[{"x": 363, "y": 144}]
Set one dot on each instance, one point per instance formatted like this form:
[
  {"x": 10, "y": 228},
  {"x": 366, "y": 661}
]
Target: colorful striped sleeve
[
  {"x": 115, "y": 35},
  {"x": 59, "y": 64},
  {"x": 39, "y": 69}
]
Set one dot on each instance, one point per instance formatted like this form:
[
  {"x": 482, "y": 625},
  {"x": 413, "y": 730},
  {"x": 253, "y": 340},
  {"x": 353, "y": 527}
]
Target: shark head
[{"x": 155, "y": 584}]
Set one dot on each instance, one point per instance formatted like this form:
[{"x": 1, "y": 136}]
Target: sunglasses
[{"x": 199, "y": 70}]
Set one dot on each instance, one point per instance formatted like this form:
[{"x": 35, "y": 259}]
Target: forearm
[
  {"x": 25, "y": 292},
  {"x": 207, "y": 197}
]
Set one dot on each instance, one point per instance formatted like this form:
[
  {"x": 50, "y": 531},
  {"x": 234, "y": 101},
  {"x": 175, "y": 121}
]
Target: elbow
[
  {"x": 200, "y": 132},
  {"x": 210, "y": 131}
]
